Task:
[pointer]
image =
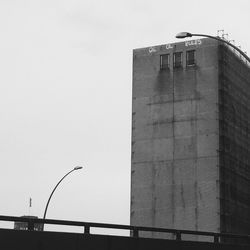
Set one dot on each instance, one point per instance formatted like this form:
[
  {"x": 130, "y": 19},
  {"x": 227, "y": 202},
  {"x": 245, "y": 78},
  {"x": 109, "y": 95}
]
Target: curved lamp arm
[
  {"x": 46, "y": 208},
  {"x": 187, "y": 34}
]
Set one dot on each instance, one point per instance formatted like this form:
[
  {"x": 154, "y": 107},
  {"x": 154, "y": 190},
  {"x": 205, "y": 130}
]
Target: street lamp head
[
  {"x": 183, "y": 35},
  {"x": 77, "y": 168}
]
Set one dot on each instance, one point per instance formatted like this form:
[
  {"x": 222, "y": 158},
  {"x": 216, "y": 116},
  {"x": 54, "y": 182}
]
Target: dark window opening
[
  {"x": 164, "y": 61},
  {"x": 190, "y": 57},
  {"x": 177, "y": 59}
]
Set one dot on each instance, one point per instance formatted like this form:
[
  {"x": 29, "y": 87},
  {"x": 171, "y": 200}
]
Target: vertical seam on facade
[{"x": 173, "y": 162}]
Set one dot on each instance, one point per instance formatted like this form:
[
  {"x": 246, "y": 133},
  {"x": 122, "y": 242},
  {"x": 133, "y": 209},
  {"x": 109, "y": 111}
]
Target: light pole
[
  {"x": 187, "y": 34},
  {"x": 46, "y": 208}
]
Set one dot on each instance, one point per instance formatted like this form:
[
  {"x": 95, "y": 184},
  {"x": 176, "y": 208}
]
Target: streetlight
[
  {"x": 46, "y": 208},
  {"x": 187, "y": 34}
]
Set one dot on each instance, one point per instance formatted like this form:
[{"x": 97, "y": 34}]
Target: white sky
[{"x": 65, "y": 95}]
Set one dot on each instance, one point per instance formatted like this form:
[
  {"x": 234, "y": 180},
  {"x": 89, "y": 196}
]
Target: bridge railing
[{"x": 135, "y": 230}]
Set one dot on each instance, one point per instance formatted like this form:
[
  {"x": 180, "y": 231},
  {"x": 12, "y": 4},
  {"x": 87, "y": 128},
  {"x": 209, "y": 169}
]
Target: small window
[
  {"x": 190, "y": 57},
  {"x": 177, "y": 59},
  {"x": 164, "y": 61}
]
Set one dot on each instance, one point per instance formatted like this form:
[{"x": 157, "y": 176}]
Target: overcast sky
[{"x": 66, "y": 93}]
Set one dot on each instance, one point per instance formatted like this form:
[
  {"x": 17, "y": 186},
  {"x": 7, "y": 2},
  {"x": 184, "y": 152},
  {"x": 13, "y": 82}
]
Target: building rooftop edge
[{"x": 185, "y": 43}]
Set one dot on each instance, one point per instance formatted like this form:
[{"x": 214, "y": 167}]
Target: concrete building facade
[{"x": 190, "y": 138}]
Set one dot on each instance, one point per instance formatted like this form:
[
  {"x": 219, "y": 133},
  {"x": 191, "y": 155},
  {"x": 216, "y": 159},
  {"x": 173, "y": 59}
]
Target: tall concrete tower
[{"x": 191, "y": 138}]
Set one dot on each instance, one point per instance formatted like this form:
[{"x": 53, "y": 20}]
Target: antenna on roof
[
  {"x": 225, "y": 36},
  {"x": 220, "y": 33},
  {"x": 30, "y": 204}
]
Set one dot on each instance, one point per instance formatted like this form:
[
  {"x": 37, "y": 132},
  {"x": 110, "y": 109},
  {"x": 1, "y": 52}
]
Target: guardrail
[{"x": 135, "y": 230}]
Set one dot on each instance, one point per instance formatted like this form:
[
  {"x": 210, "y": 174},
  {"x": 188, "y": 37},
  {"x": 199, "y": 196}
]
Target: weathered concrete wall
[
  {"x": 234, "y": 143},
  {"x": 174, "y": 140}
]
